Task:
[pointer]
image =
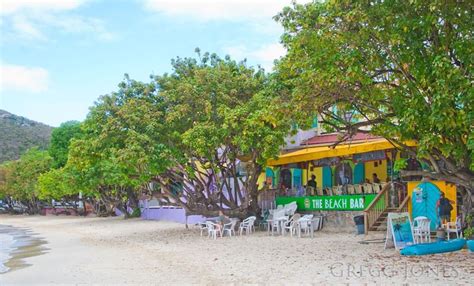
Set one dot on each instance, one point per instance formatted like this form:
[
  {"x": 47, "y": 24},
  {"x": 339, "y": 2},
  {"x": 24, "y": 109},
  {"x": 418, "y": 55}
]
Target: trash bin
[{"x": 359, "y": 222}]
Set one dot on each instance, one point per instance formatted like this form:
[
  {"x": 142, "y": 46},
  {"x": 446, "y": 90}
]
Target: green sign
[{"x": 329, "y": 203}]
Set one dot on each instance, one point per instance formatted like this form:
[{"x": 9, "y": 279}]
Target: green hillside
[{"x": 18, "y": 134}]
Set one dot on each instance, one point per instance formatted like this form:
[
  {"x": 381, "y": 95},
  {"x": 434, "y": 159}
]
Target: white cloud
[
  {"x": 15, "y": 6},
  {"x": 265, "y": 55},
  {"x": 26, "y": 29},
  {"x": 230, "y": 10},
  {"x": 77, "y": 24},
  {"x": 34, "y": 19},
  {"x": 22, "y": 78}
]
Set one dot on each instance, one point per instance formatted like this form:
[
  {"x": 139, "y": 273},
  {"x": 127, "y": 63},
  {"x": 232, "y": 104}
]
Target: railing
[
  {"x": 376, "y": 208},
  {"x": 403, "y": 205}
]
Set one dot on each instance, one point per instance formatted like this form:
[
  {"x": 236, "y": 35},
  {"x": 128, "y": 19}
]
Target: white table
[{"x": 280, "y": 224}]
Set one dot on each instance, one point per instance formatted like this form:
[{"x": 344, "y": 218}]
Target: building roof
[
  {"x": 320, "y": 152},
  {"x": 328, "y": 139}
]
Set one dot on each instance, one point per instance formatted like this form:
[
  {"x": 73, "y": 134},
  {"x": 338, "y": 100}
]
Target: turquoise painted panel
[
  {"x": 297, "y": 177},
  {"x": 359, "y": 173},
  {"x": 269, "y": 174},
  {"x": 423, "y": 201},
  {"x": 327, "y": 177},
  {"x": 315, "y": 122}
]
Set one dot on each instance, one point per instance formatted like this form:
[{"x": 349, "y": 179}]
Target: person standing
[
  {"x": 312, "y": 183},
  {"x": 444, "y": 209}
]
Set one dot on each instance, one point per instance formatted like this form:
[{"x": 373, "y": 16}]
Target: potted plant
[{"x": 469, "y": 233}]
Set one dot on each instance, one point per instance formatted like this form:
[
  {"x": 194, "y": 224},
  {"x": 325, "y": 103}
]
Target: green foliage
[
  {"x": 18, "y": 179},
  {"x": 214, "y": 103},
  {"x": 469, "y": 231},
  {"x": 219, "y": 113},
  {"x": 60, "y": 184},
  {"x": 136, "y": 212},
  {"x": 18, "y": 134},
  {"x": 121, "y": 147},
  {"x": 400, "y": 164},
  {"x": 60, "y": 140},
  {"x": 404, "y": 68}
]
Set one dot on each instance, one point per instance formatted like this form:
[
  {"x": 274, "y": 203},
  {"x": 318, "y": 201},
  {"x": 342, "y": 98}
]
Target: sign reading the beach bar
[{"x": 329, "y": 203}]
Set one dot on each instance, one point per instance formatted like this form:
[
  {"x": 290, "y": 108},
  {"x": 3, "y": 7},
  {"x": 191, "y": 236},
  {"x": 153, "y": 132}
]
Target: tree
[
  {"x": 402, "y": 68},
  {"x": 60, "y": 139},
  {"x": 121, "y": 148},
  {"x": 18, "y": 179},
  {"x": 224, "y": 123}
]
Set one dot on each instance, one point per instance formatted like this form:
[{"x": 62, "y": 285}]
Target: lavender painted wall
[
  {"x": 164, "y": 213},
  {"x": 167, "y": 214}
]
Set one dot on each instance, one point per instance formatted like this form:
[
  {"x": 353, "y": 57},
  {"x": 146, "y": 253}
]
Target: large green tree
[
  {"x": 224, "y": 124},
  {"x": 60, "y": 140},
  {"x": 402, "y": 68},
  {"x": 18, "y": 179},
  {"x": 120, "y": 149}
]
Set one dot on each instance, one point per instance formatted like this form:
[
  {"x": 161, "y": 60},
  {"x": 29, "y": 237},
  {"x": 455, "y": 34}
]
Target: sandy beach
[{"x": 116, "y": 251}]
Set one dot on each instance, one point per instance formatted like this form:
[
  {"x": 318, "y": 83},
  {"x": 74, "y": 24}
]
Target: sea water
[
  {"x": 7, "y": 246},
  {"x": 16, "y": 244}
]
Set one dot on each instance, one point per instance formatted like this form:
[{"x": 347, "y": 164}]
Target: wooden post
[{"x": 366, "y": 223}]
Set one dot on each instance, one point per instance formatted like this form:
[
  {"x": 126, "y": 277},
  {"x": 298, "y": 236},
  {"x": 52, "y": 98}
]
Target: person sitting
[
  {"x": 222, "y": 219},
  {"x": 375, "y": 178}
]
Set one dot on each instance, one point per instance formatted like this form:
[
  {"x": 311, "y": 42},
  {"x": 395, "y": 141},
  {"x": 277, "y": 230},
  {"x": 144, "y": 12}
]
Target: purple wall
[{"x": 168, "y": 214}]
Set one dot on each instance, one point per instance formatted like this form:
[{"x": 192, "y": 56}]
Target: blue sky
[{"x": 58, "y": 56}]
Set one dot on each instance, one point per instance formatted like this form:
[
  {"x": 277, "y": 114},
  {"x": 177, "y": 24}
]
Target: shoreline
[
  {"x": 18, "y": 244},
  {"x": 134, "y": 251}
]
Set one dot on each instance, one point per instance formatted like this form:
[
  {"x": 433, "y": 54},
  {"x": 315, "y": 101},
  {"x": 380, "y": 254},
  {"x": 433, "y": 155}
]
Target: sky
[{"x": 58, "y": 56}]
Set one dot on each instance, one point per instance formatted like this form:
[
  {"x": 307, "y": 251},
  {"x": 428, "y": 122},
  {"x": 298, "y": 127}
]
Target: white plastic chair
[
  {"x": 304, "y": 223},
  {"x": 290, "y": 225},
  {"x": 230, "y": 227},
  {"x": 202, "y": 227},
  {"x": 275, "y": 222},
  {"x": 290, "y": 208},
  {"x": 213, "y": 229},
  {"x": 421, "y": 230},
  {"x": 358, "y": 189},
  {"x": 308, "y": 216},
  {"x": 247, "y": 225},
  {"x": 351, "y": 189},
  {"x": 454, "y": 227}
]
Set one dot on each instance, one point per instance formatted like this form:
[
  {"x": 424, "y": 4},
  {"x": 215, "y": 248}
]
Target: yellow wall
[
  {"x": 318, "y": 172},
  {"x": 380, "y": 170},
  {"x": 449, "y": 191},
  {"x": 261, "y": 180}
]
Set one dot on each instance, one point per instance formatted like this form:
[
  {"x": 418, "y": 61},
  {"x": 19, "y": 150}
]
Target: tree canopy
[
  {"x": 60, "y": 140},
  {"x": 402, "y": 68},
  {"x": 18, "y": 179},
  {"x": 222, "y": 118}
]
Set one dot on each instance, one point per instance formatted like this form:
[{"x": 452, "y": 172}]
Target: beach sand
[{"x": 117, "y": 251}]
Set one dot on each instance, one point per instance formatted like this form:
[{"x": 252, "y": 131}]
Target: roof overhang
[{"x": 316, "y": 153}]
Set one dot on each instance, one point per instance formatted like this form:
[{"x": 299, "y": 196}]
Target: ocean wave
[{"x": 7, "y": 246}]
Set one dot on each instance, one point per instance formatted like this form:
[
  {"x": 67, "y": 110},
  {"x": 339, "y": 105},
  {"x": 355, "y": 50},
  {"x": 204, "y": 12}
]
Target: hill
[{"x": 18, "y": 134}]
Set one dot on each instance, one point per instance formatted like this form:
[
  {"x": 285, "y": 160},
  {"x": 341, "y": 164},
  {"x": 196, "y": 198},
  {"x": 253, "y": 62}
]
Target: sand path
[{"x": 117, "y": 251}]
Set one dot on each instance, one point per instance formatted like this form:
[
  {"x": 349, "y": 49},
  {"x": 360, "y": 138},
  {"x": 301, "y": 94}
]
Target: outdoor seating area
[
  {"x": 422, "y": 232},
  {"x": 280, "y": 221},
  {"x": 215, "y": 229},
  {"x": 284, "y": 220}
]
